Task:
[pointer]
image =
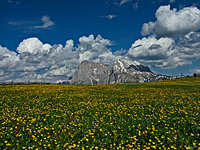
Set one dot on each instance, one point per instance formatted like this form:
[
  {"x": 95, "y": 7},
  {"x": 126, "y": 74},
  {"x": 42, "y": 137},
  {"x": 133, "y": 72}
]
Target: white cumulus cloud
[
  {"x": 32, "y": 45},
  {"x": 155, "y": 52},
  {"x": 173, "y": 22},
  {"x": 95, "y": 49},
  {"x": 151, "y": 47}
]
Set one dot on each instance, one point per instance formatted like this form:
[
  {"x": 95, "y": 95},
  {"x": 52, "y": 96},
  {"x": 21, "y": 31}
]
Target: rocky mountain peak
[
  {"x": 123, "y": 71},
  {"x": 125, "y": 65}
]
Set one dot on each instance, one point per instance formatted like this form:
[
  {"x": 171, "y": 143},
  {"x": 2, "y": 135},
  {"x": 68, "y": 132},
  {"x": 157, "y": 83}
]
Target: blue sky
[
  {"x": 74, "y": 18},
  {"x": 119, "y": 21}
]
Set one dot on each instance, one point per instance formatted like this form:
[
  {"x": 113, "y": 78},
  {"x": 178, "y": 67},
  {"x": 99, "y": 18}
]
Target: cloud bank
[
  {"x": 173, "y": 39},
  {"x": 35, "y": 61},
  {"x": 164, "y": 52}
]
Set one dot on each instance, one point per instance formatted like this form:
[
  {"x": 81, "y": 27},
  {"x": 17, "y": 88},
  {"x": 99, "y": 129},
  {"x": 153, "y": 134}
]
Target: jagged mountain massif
[{"x": 123, "y": 71}]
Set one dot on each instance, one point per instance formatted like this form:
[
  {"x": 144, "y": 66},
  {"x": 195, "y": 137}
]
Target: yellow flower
[
  {"x": 173, "y": 147},
  {"x": 154, "y": 147},
  {"x": 33, "y": 120},
  {"x": 188, "y": 148}
]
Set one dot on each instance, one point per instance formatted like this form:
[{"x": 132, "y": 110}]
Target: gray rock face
[
  {"x": 92, "y": 73},
  {"x": 123, "y": 71}
]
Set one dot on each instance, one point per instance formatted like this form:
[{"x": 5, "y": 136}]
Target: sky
[{"x": 45, "y": 40}]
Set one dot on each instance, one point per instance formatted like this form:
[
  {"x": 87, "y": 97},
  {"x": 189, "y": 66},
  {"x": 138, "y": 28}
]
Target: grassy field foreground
[{"x": 158, "y": 115}]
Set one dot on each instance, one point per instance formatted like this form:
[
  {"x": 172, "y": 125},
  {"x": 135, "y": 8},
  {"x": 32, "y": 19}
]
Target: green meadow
[{"x": 156, "y": 115}]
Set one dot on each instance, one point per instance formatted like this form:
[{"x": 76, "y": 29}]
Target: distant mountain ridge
[{"x": 123, "y": 71}]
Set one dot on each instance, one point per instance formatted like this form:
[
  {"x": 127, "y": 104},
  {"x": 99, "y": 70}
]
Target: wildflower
[{"x": 8, "y": 144}]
